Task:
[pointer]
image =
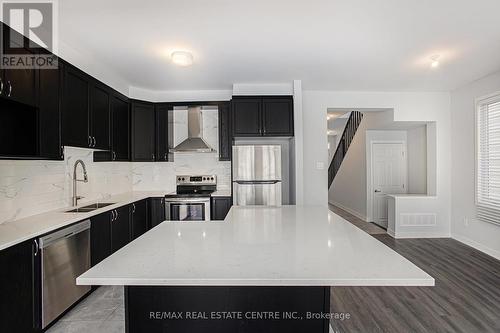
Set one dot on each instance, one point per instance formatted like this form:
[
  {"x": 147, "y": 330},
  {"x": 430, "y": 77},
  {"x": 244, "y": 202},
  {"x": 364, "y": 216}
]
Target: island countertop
[{"x": 258, "y": 246}]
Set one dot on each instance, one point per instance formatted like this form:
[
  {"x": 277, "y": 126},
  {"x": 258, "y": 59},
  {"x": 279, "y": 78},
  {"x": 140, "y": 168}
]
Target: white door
[{"x": 388, "y": 177}]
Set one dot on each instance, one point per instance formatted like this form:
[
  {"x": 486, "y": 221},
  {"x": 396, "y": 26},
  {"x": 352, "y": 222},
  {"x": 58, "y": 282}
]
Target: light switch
[{"x": 320, "y": 165}]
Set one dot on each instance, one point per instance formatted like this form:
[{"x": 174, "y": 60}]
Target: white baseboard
[
  {"x": 467, "y": 241},
  {"x": 419, "y": 234},
  {"x": 350, "y": 211}
]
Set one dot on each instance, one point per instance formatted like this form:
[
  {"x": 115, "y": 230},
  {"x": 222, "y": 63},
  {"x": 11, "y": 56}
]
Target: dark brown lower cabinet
[
  {"x": 16, "y": 288},
  {"x": 120, "y": 228},
  {"x": 156, "y": 211},
  {"x": 220, "y": 207},
  {"x": 100, "y": 237},
  {"x": 139, "y": 218}
]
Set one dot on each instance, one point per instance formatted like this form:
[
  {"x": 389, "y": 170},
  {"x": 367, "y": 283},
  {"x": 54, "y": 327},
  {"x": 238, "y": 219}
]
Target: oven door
[{"x": 187, "y": 209}]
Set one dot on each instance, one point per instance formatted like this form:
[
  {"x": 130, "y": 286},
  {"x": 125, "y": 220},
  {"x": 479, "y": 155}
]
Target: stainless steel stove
[{"x": 191, "y": 201}]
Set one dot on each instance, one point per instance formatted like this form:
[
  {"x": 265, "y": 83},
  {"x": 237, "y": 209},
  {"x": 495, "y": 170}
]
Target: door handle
[
  {"x": 36, "y": 247},
  {"x": 378, "y": 191},
  {"x": 10, "y": 88}
]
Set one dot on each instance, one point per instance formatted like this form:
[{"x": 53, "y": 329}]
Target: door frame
[{"x": 369, "y": 172}]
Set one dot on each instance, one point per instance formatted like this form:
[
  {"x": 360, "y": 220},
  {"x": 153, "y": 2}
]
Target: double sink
[{"x": 89, "y": 208}]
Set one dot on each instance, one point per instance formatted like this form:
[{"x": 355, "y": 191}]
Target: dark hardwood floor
[{"x": 466, "y": 297}]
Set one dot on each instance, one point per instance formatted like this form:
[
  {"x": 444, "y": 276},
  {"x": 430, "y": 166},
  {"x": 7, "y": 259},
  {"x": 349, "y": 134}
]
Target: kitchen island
[{"x": 264, "y": 269}]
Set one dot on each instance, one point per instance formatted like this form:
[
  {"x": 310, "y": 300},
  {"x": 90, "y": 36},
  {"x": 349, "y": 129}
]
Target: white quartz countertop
[
  {"x": 14, "y": 232},
  {"x": 258, "y": 246}
]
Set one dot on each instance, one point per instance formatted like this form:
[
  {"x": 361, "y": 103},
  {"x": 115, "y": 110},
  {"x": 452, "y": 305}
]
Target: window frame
[{"x": 480, "y": 101}]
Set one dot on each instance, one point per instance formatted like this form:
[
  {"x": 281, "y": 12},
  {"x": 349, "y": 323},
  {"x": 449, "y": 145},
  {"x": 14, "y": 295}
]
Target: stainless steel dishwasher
[{"x": 65, "y": 256}]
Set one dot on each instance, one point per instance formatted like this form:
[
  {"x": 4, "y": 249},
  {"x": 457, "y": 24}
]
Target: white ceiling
[{"x": 328, "y": 44}]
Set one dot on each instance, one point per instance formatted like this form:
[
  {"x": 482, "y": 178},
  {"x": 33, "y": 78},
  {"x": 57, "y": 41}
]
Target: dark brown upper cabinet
[
  {"x": 120, "y": 112},
  {"x": 86, "y": 110},
  {"x": 100, "y": 98},
  {"x": 255, "y": 116},
  {"x": 277, "y": 116},
  {"x": 225, "y": 134},
  {"x": 75, "y": 111},
  {"x": 162, "y": 133},
  {"x": 143, "y": 131},
  {"x": 18, "y": 84},
  {"x": 247, "y": 116}
]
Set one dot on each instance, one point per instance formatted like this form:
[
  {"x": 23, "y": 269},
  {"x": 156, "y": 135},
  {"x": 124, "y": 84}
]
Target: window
[{"x": 488, "y": 159}]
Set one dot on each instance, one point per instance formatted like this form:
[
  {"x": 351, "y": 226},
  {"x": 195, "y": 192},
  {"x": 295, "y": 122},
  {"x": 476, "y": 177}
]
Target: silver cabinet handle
[
  {"x": 1, "y": 86},
  {"x": 133, "y": 208},
  {"x": 153, "y": 157},
  {"x": 165, "y": 156},
  {"x": 112, "y": 215},
  {"x": 377, "y": 191},
  {"x": 10, "y": 88},
  {"x": 116, "y": 212},
  {"x": 36, "y": 247},
  {"x": 114, "y": 156},
  {"x": 89, "y": 140},
  {"x": 94, "y": 141}
]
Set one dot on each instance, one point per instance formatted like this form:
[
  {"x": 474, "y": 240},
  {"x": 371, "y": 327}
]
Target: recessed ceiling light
[
  {"x": 435, "y": 61},
  {"x": 182, "y": 58}
]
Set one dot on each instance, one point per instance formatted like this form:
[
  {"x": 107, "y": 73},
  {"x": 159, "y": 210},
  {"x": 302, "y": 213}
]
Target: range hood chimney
[{"x": 194, "y": 142}]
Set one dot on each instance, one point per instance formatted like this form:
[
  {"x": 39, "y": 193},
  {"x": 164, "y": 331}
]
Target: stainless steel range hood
[{"x": 194, "y": 142}]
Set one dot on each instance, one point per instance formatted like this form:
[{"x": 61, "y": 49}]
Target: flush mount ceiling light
[
  {"x": 182, "y": 58},
  {"x": 435, "y": 61}
]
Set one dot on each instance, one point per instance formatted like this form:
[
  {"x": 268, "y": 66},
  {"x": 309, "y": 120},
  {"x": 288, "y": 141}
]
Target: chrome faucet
[{"x": 85, "y": 180}]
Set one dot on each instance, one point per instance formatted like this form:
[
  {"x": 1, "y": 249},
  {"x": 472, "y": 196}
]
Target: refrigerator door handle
[{"x": 256, "y": 182}]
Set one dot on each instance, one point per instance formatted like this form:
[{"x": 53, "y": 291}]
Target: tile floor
[{"x": 101, "y": 312}]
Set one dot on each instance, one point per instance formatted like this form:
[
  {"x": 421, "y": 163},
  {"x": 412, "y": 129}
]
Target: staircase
[{"x": 345, "y": 141}]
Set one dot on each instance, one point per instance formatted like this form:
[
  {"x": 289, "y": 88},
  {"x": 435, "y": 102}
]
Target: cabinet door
[
  {"x": 220, "y": 207},
  {"x": 162, "y": 132},
  {"x": 75, "y": 120},
  {"x": 120, "y": 228},
  {"x": 246, "y": 117},
  {"x": 139, "y": 215},
  {"x": 143, "y": 132},
  {"x": 100, "y": 237},
  {"x": 99, "y": 115},
  {"x": 156, "y": 211},
  {"x": 50, "y": 114},
  {"x": 121, "y": 129},
  {"x": 225, "y": 137},
  {"x": 20, "y": 84},
  {"x": 16, "y": 288},
  {"x": 277, "y": 114}
]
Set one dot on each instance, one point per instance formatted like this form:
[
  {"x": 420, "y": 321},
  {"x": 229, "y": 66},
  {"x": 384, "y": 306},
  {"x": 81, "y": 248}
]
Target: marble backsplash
[
  {"x": 33, "y": 187},
  {"x": 161, "y": 176}
]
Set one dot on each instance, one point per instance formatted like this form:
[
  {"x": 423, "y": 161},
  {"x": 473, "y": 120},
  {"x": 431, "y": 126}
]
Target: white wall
[
  {"x": 417, "y": 160},
  {"x": 407, "y": 106},
  {"x": 465, "y": 227}
]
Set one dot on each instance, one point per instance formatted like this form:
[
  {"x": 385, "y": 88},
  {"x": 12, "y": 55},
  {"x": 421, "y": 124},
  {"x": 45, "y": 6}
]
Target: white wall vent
[{"x": 417, "y": 219}]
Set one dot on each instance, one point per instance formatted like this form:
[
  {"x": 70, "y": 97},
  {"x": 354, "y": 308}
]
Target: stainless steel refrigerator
[{"x": 257, "y": 175}]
